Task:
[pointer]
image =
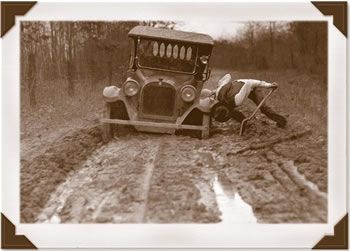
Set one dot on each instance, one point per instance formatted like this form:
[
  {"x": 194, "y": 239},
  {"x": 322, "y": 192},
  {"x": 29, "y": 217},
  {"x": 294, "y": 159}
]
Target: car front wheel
[
  {"x": 107, "y": 128},
  {"x": 207, "y": 123},
  {"x": 115, "y": 110}
]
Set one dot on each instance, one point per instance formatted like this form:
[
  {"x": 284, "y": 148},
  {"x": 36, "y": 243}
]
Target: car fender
[
  {"x": 111, "y": 93},
  {"x": 205, "y": 104}
]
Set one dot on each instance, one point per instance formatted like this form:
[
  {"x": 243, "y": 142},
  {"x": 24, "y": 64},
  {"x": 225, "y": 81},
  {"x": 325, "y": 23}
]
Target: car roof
[{"x": 167, "y": 34}]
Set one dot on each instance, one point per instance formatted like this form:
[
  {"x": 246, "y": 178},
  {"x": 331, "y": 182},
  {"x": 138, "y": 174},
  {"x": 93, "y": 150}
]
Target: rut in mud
[
  {"x": 41, "y": 174},
  {"x": 175, "y": 179},
  {"x": 125, "y": 181}
]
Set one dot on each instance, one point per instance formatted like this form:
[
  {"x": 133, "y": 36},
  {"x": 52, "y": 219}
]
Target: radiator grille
[{"x": 159, "y": 100}]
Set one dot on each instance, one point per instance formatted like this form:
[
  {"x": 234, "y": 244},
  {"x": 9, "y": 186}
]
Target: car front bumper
[{"x": 155, "y": 124}]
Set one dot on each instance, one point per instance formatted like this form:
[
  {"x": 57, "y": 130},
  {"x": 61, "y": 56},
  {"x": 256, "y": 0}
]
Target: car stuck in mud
[
  {"x": 269, "y": 174},
  {"x": 165, "y": 78}
]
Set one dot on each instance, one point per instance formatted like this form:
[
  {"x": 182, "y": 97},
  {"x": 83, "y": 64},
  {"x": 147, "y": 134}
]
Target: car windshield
[{"x": 167, "y": 56}]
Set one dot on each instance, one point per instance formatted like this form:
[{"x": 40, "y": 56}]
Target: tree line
[
  {"x": 85, "y": 53},
  {"x": 73, "y": 53},
  {"x": 276, "y": 45}
]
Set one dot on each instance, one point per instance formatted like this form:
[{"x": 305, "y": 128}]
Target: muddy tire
[
  {"x": 206, "y": 122},
  {"x": 106, "y": 133},
  {"x": 116, "y": 110},
  {"x": 196, "y": 117},
  {"x": 107, "y": 129}
]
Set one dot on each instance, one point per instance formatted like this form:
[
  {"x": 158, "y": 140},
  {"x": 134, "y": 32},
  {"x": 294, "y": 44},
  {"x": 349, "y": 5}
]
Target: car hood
[{"x": 147, "y": 76}]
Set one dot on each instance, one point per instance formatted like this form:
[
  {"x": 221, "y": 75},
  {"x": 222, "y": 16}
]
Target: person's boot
[
  {"x": 279, "y": 119},
  {"x": 237, "y": 115}
]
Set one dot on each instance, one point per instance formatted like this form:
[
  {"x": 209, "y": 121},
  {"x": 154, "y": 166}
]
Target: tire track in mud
[
  {"x": 276, "y": 190},
  {"x": 273, "y": 194},
  {"x": 181, "y": 187},
  {"x": 292, "y": 171},
  {"x": 43, "y": 172},
  {"x": 302, "y": 190},
  {"x": 143, "y": 178},
  {"x": 268, "y": 181},
  {"x": 111, "y": 186},
  {"x": 147, "y": 181}
]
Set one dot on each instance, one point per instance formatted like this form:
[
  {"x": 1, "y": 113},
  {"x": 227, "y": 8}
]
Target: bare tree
[
  {"x": 272, "y": 27},
  {"x": 69, "y": 59}
]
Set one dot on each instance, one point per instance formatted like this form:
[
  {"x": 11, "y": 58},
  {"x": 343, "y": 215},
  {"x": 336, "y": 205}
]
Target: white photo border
[{"x": 175, "y": 235}]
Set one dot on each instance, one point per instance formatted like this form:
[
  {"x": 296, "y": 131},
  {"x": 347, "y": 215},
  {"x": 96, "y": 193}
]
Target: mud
[
  {"x": 152, "y": 178},
  {"x": 111, "y": 186},
  {"x": 40, "y": 175}
]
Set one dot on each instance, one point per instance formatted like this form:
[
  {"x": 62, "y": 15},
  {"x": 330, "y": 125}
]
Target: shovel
[{"x": 244, "y": 122}]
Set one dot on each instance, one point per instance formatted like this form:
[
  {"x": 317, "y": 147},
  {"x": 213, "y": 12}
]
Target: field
[{"x": 270, "y": 175}]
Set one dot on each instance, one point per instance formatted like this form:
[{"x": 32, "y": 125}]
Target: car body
[{"x": 162, "y": 92}]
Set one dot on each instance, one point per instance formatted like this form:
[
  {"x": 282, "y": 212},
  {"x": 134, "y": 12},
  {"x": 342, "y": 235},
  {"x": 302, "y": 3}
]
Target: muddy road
[{"x": 150, "y": 178}]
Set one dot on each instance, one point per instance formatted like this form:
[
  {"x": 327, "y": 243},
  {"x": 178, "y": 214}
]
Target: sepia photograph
[{"x": 173, "y": 122}]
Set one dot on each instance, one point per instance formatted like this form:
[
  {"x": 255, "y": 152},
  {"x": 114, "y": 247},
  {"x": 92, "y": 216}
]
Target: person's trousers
[{"x": 257, "y": 95}]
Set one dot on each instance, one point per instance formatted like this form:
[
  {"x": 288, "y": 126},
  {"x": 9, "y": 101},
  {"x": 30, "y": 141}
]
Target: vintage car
[{"x": 162, "y": 92}]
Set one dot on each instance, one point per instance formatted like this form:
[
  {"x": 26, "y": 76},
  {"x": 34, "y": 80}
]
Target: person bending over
[{"x": 233, "y": 94}]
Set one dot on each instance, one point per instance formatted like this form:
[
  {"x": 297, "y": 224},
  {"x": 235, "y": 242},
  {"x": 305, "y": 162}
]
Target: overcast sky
[{"x": 218, "y": 30}]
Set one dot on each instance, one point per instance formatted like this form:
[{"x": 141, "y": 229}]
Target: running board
[{"x": 153, "y": 124}]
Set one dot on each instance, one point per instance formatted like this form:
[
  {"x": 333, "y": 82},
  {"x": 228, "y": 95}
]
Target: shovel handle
[{"x": 241, "y": 131}]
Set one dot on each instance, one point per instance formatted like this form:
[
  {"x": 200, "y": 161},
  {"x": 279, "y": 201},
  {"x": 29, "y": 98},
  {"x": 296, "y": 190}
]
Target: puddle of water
[
  {"x": 55, "y": 219},
  {"x": 233, "y": 208}
]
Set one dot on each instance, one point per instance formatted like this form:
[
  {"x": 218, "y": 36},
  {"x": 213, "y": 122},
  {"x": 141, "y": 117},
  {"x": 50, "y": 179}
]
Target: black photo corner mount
[
  {"x": 9, "y": 239},
  {"x": 340, "y": 238},
  {"x": 337, "y": 9},
  {"x": 9, "y": 11}
]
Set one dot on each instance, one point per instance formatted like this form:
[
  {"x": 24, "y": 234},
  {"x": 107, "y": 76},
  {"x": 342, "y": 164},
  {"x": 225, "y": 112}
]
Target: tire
[
  {"x": 196, "y": 117},
  {"x": 220, "y": 112},
  {"x": 206, "y": 122},
  {"x": 118, "y": 111},
  {"x": 115, "y": 110},
  {"x": 107, "y": 128}
]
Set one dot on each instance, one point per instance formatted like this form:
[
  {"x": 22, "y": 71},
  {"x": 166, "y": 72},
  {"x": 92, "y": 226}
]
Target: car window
[
  {"x": 146, "y": 48},
  {"x": 132, "y": 53},
  {"x": 169, "y": 51},
  {"x": 182, "y": 52},
  {"x": 176, "y": 51},
  {"x": 189, "y": 53},
  {"x": 155, "y": 48},
  {"x": 165, "y": 55}
]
